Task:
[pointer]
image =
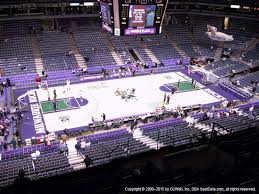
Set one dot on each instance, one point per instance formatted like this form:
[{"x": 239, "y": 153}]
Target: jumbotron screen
[
  {"x": 133, "y": 17},
  {"x": 142, "y": 16}
]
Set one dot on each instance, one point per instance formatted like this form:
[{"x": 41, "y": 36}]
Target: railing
[
  {"x": 224, "y": 128},
  {"x": 127, "y": 147}
]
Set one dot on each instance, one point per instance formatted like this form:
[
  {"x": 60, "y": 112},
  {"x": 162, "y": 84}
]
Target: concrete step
[
  {"x": 116, "y": 57},
  {"x": 218, "y": 53},
  {"x": 79, "y": 166},
  {"x": 138, "y": 135},
  {"x": 179, "y": 50},
  {"x": 75, "y": 161},
  {"x": 80, "y": 60},
  {"x": 37, "y": 54},
  {"x": 151, "y": 55}
]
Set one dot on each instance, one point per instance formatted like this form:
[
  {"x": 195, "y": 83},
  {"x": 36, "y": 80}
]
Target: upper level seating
[
  {"x": 19, "y": 27},
  {"x": 125, "y": 41},
  {"x": 199, "y": 24},
  {"x": 242, "y": 29},
  {"x": 180, "y": 34},
  {"x": 245, "y": 81},
  {"x": 125, "y": 55},
  {"x": 252, "y": 55},
  {"x": 163, "y": 52},
  {"x": 53, "y": 46},
  {"x": 174, "y": 132},
  {"x": 129, "y": 42},
  {"x": 59, "y": 62},
  {"x": 12, "y": 66},
  {"x": 224, "y": 68},
  {"x": 143, "y": 54},
  {"x": 111, "y": 145},
  {"x": 53, "y": 43},
  {"x": 15, "y": 47},
  {"x": 153, "y": 40},
  {"x": 92, "y": 45}
]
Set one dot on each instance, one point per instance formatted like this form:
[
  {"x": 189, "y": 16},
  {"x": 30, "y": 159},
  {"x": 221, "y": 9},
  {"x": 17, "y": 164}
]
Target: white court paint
[{"x": 102, "y": 99}]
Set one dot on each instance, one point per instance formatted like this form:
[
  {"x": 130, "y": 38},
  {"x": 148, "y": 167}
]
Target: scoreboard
[{"x": 133, "y": 17}]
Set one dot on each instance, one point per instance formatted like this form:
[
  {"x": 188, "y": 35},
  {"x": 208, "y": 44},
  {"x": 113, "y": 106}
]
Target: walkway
[
  {"x": 138, "y": 135},
  {"x": 75, "y": 160}
]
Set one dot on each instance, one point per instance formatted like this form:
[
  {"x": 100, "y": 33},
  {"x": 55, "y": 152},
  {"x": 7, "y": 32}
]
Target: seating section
[
  {"x": 92, "y": 45},
  {"x": 235, "y": 91},
  {"x": 245, "y": 81},
  {"x": 12, "y": 66},
  {"x": 53, "y": 46},
  {"x": 9, "y": 169},
  {"x": 61, "y": 62},
  {"x": 173, "y": 132},
  {"x": 163, "y": 52},
  {"x": 143, "y": 54},
  {"x": 243, "y": 30},
  {"x": 224, "y": 68},
  {"x": 125, "y": 55},
  {"x": 129, "y": 42},
  {"x": 233, "y": 123},
  {"x": 111, "y": 145},
  {"x": 49, "y": 161},
  {"x": 18, "y": 27},
  {"x": 180, "y": 34},
  {"x": 252, "y": 55},
  {"x": 245, "y": 107},
  {"x": 199, "y": 24},
  {"x": 17, "y": 61},
  {"x": 16, "y": 49}
]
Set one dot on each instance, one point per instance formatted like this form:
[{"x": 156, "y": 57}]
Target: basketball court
[{"x": 76, "y": 107}]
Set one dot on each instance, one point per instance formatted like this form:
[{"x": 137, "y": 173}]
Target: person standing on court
[
  {"x": 165, "y": 97},
  {"x": 54, "y": 105},
  {"x": 55, "y": 94},
  {"x": 104, "y": 117},
  {"x": 168, "y": 99}
]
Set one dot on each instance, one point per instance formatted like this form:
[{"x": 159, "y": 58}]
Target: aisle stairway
[
  {"x": 218, "y": 53},
  {"x": 75, "y": 160},
  {"x": 151, "y": 55},
  {"x": 250, "y": 45},
  {"x": 138, "y": 135},
  {"x": 195, "y": 49},
  {"x": 115, "y": 56},
  {"x": 207, "y": 128},
  {"x": 80, "y": 60},
  {"x": 37, "y": 54},
  {"x": 181, "y": 52},
  {"x": 73, "y": 46}
]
